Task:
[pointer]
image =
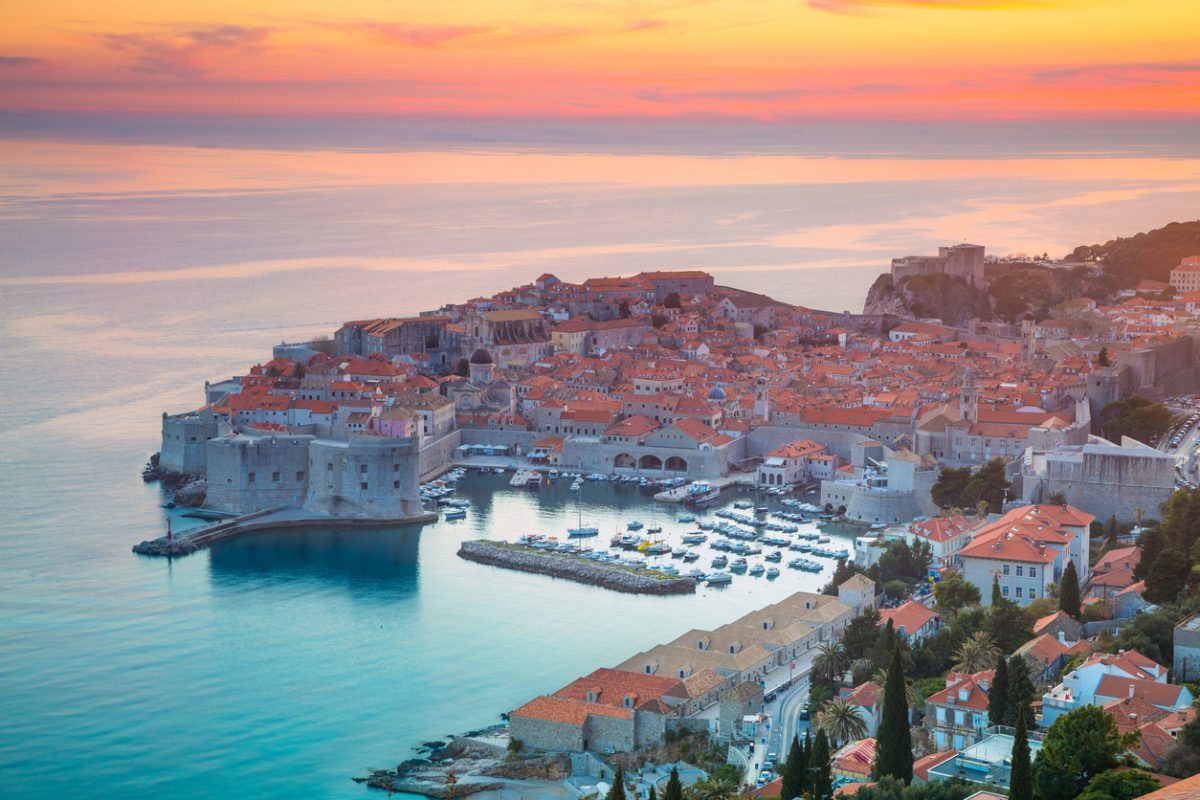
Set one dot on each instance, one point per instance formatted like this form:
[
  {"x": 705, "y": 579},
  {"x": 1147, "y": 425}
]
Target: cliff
[{"x": 949, "y": 299}]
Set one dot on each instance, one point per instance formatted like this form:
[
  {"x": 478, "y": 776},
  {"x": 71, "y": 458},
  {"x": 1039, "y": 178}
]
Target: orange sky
[{"x": 752, "y": 59}]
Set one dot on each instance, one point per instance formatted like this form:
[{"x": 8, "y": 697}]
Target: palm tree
[
  {"x": 977, "y": 653},
  {"x": 830, "y": 662},
  {"x": 841, "y": 721},
  {"x": 880, "y": 680},
  {"x": 713, "y": 788}
]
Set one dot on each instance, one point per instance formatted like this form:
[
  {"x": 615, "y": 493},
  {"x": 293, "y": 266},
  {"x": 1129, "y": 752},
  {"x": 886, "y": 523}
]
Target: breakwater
[{"x": 618, "y": 577}]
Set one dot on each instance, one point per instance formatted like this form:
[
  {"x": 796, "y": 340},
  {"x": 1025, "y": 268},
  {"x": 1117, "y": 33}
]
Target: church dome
[
  {"x": 481, "y": 356},
  {"x": 716, "y": 393}
]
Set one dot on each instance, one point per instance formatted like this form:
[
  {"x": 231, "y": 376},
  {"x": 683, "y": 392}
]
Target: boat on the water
[
  {"x": 582, "y": 533},
  {"x": 455, "y": 513},
  {"x": 772, "y": 572},
  {"x": 757, "y": 569},
  {"x": 718, "y": 578},
  {"x": 700, "y": 493}
]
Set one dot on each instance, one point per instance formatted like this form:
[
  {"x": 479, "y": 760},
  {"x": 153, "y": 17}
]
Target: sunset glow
[{"x": 771, "y": 60}]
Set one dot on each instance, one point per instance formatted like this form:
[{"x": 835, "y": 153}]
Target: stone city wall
[{"x": 254, "y": 473}]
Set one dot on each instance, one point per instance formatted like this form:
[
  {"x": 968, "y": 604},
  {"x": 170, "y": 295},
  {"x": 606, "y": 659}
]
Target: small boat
[
  {"x": 679, "y": 552},
  {"x": 774, "y": 555},
  {"x": 582, "y": 533},
  {"x": 576, "y": 486},
  {"x": 457, "y": 513},
  {"x": 796, "y": 563},
  {"x": 634, "y": 525},
  {"x": 720, "y": 562},
  {"x": 691, "y": 555},
  {"x": 498, "y": 470},
  {"x": 757, "y": 569},
  {"x": 701, "y": 492},
  {"x": 658, "y": 549},
  {"x": 685, "y": 519},
  {"x": 535, "y": 480},
  {"x": 654, "y": 530},
  {"x": 718, "y": 579},
  {"x": 762, "y": 509},
  {"x": 743, "y": 504},
  {"x": 693, "y": 538},
  {"x": 772, "y": 572}
]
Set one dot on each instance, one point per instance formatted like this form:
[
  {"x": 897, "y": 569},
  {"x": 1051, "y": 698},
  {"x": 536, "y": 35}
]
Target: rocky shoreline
[
  {"x": 609, "y": 576},
  {"x": 478, "y": 762}
]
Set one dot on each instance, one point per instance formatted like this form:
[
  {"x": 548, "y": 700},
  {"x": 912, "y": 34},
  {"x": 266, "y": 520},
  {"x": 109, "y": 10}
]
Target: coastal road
[{"x": 781, "y": 715}]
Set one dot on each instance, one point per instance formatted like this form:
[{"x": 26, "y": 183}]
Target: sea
[{"x": 141, "y": 257}]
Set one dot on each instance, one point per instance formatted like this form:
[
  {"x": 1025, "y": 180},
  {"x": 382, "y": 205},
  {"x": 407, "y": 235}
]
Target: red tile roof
[{"x": 911, "y": 616}]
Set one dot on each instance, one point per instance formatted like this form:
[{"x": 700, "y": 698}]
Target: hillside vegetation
[{"x": 1149, "y": 255}]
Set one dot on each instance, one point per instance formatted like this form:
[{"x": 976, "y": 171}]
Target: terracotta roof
[
  {"x": 911, "y": 616},
  {"x": 975, "y": 697},
  {"x": 569, "y": 712},
  {"x": 922, "y": 765},
  {"x": 1153, "y": 692}
]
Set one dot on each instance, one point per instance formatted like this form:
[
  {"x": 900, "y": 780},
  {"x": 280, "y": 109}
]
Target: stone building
[
  {"x": 431, "y": 337},
  {"x": 881, "y": 485},
  {"x": 964, "y": 261},
  {"x": 743, "y": 700},
  {"x": 185, "y": 441},
  {"x": 1186, "y": 666},
  {"x": 364, "y": 478}
]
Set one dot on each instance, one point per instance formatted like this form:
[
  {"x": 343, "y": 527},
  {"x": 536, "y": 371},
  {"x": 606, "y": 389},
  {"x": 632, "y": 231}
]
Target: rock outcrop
[
  {"x": 610, "y": 576},
  {"x": 943, "y": 297}
]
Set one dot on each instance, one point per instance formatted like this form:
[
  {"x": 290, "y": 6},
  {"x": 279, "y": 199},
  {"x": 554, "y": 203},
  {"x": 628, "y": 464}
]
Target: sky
[{"x": 752, "y": 60}]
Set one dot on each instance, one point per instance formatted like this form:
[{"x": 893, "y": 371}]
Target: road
[{"x": 781, "y": 715}]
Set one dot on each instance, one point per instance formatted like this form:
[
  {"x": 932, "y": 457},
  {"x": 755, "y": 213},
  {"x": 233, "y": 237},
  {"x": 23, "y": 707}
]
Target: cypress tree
[
  {"x": 822, "y": 787},
  {"x": 674, "y": 790},
  {"x": 884, "y": 645},
  {"x": 652, "y": 795},
  {"x": 1020, "y": 784},
  {"x": 1068, "y": 591},
  {"x": 617, "y": 792},
  {"x": 793, "y": 772},
  {"x": 1020, "y": 692},
  {"x": 997, "y": 598},
  {"x": 893, "y": 753},
  {"x": 998, "y": 694}
]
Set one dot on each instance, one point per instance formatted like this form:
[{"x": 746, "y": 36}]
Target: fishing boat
[
  {"x": 701, "y": 492},
  {"x": 718, "y": 579},
  {"x": 455, "y": 513}
]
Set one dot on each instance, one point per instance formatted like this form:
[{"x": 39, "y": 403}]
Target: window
[
  {"x": 1020, "y": 591},
  {"x": 591, "y": 696},
  {"x": 362, "y": 468},
  {"x": 1020, "y": 571},
  {"x": 628, "y": 701},
  {"x": 395, "y": 467},
  {"x": 1033, "y": 572},
  {"x": 1032, "y": 594},
  {"x": 363, "y": 486},
  {"x": 275, "y": 477},
  {"x": 1006, "y": 569},
  {"x": 1004, "y": 590},
  {"x": 329, "y": 466},
  {"x": 300, "y": 475},
  {"x": 649, "y": 669},
  {"x": 250, "y": 476},
  {"x": 395, "y": 484}
]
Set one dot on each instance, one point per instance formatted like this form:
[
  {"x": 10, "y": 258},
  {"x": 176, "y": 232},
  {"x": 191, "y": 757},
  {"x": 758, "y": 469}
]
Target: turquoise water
[{"x": 283, "y": 664}]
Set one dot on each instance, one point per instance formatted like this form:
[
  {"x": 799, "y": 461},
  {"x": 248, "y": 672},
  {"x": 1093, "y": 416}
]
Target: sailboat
[{"x": 581, "y": 532}]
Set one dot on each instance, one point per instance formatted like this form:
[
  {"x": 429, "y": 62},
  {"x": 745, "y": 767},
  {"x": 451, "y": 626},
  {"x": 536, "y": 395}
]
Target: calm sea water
[{"x": 283, "y": 664}]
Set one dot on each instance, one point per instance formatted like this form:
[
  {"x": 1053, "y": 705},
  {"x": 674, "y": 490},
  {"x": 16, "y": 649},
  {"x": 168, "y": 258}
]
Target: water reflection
[{"x": 347, "y": 555}]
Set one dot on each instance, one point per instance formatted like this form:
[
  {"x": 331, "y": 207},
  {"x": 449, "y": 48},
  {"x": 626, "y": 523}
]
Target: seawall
[{"x": 617, "y": 577}]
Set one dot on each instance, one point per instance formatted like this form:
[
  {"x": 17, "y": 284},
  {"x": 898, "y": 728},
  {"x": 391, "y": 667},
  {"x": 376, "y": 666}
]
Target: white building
[{"x": 793, "y": 463}]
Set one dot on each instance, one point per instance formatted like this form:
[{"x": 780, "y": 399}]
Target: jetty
[
  {"x": 618, "y": 577},
  {"x": 282, "y": 518}
]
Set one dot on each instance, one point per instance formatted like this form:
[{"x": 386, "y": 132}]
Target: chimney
[
  {"x": 1062, "y": 637},
  {"x": 1131, "y": 691}
]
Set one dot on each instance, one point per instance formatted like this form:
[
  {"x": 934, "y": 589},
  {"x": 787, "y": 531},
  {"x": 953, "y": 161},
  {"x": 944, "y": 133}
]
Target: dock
[
  {"x": 678, "y": 494},
  {"x": 281, "y": 518}
]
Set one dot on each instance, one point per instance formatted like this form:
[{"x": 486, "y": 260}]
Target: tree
[
  {"x": 885, "y": 644},
  {"x": 988, "y": 484},
  {"x": 822, "y": 784},
  {"x": 998, "y": 694},
  {"x": 1056, "y": 499},
  {"x": 623, "y": 310},
  {"x": 830, "y": 662},
  {"x": 1168, "y": 576},
  {"x": 1125, "y": 784},
  {"x": 1138, "y": 417},
  {"x": 659, "y": 320},
  {"x": 949, "y": 486},
  {"x": 892, "y": 789},
  {"x": 673, "y": 301},
  {"x": 1008, "y": 626},
  {"x": 715, "y": 787},
  {"x": 952, "y": 593},
  {"x": 1020, "y": 784},
  {"x": 861, "y": 634},
  {"x": 1020, "y": 693},
  {"x": 674, "y": 790},
  {"x": 976, "y": 654},
  {"x": 1102, "y": 358},
  {"x": 652, "y": 795},
  {"x": 617, "y": 791},
  {"x": 844, "y": 571},
  {"x": 893, "y": 754},
  {"x": 793, "y": 772},
  {"x": 841, "y": 721},
  {"x": 1079, "y": 745},
  {"x": 1068, "y": 591},
  {"x": 462, "y": 368},
  {"x": 322, "y": 344},
  {"x": 997, "y": 597}
]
